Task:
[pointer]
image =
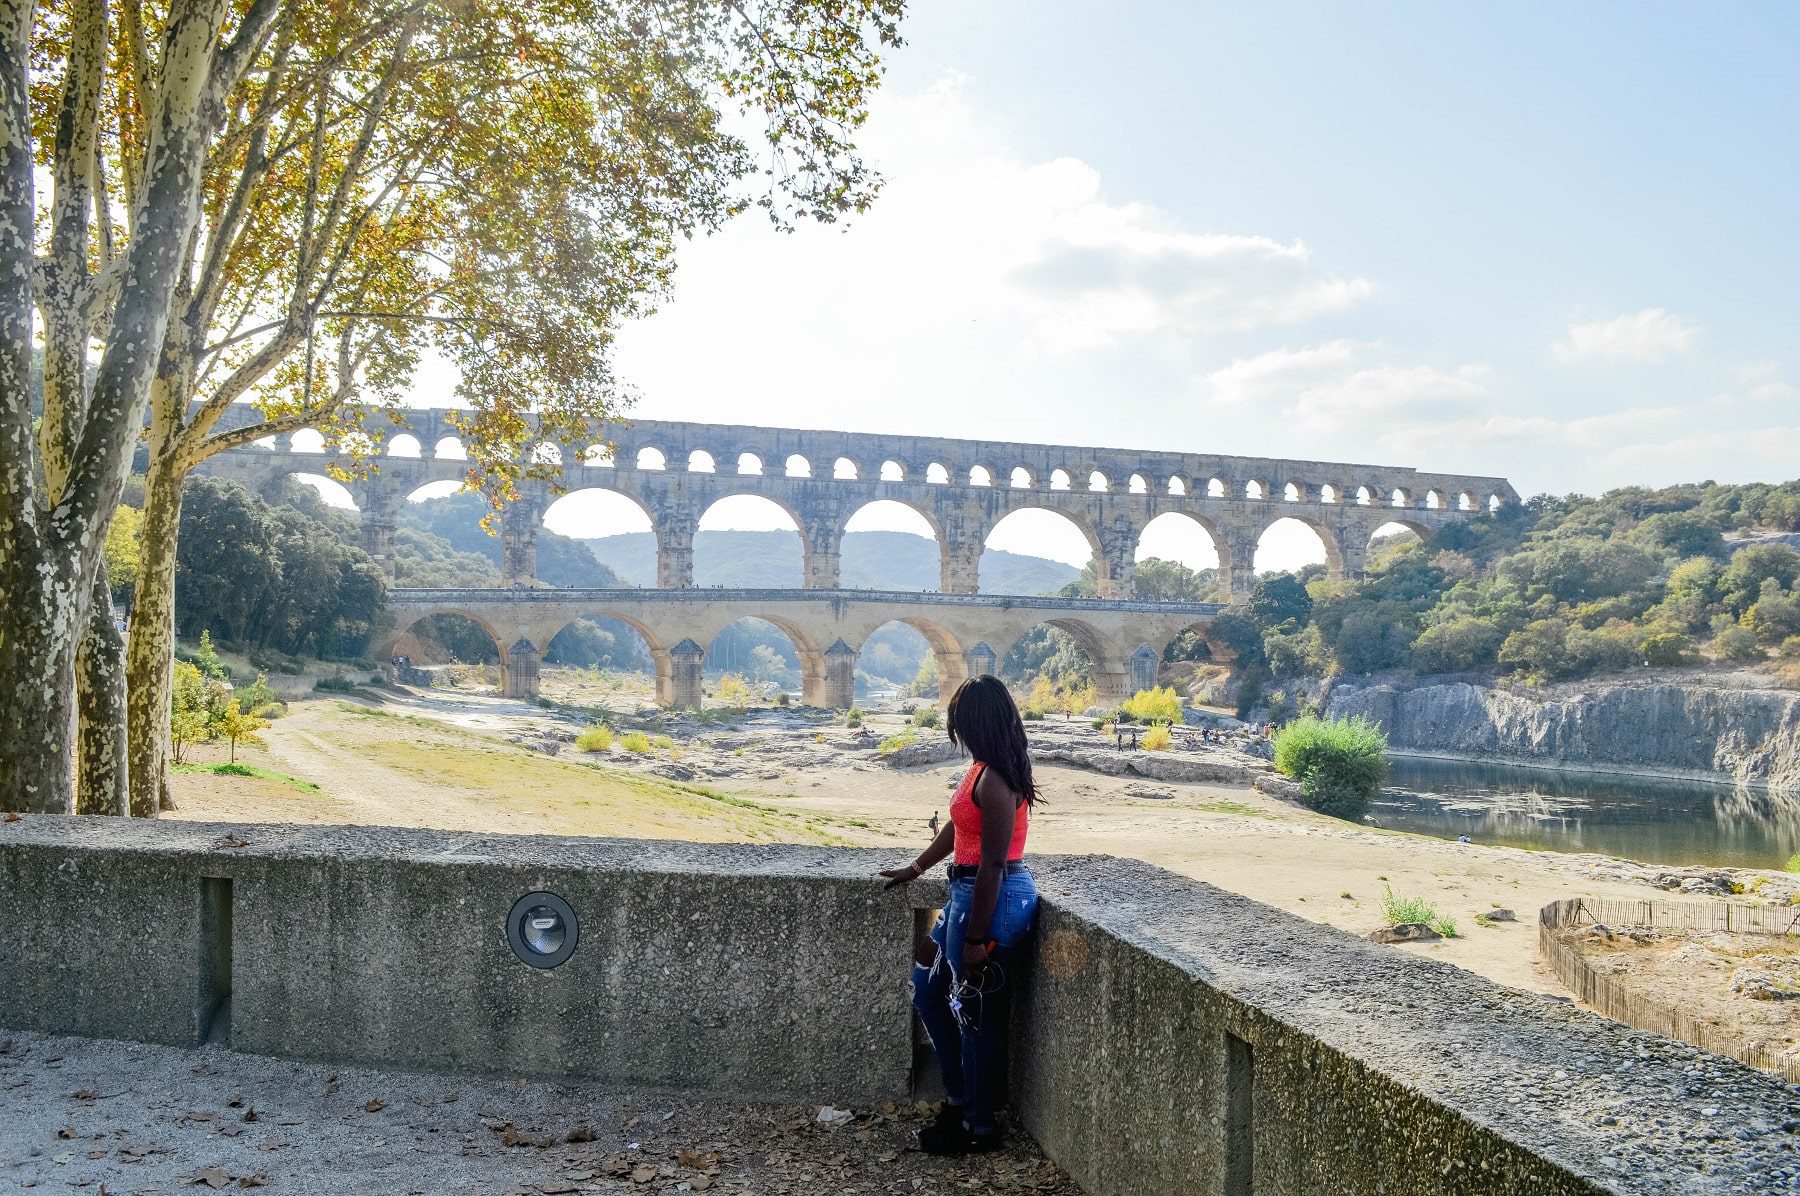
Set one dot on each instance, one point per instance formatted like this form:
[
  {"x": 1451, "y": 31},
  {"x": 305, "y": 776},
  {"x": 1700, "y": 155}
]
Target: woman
[{"x": 964, "y": 993}]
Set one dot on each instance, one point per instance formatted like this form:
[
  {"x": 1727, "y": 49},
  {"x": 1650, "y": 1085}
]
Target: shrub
[
  {"x": 1340, "y": 763},
  {"x": 734, "y": 690},
  {"x": 1155, "y": 705},
  {"x": 1793, "y": 864},
  {"x": 1737, "y": 644},
  {"x": 1445, "y": 925},
  {"x": 1790, "y": 648},
  {"x": 894, "y": 743},
  {"x": 781, "y": 698},
  {"x": 1402, "y": 911},
  {"x": 1032, "y": 714},
  {"x": 1664, "y": 648},
  {"x": 1158, "y": 738},
  {"x": 926, "y": 716},
  {"x": 662, "y": 741},
  {"x": 594, "y": 739},
  {"x": 635, "y": 741},
  {"x": 334, "y": 685},
  {"x": 853, "y": 717}
]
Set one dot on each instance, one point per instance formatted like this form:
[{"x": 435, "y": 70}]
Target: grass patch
[
  {"x": 894, "y": 743},
  {"x": 1400, "y": 911},
  {"x": 594, "y": 739},
  {"x": 636, "y": 741},
  {"x": 247, "y": 770}
]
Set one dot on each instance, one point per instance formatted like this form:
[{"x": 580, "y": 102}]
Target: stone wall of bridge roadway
[
  {"x": 968, "y": 634},
  {"x": 674, "y": 472}
]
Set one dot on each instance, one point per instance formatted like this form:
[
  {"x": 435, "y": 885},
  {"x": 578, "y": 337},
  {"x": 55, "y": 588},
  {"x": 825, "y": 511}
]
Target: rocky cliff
[{"x": 1739, "y": 734}]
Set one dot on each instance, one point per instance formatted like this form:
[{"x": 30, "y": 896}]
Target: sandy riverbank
[{"x": 482, "y": 763}]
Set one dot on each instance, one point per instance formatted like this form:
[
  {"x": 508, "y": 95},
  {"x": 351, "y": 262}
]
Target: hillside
[{"x": 871, "y": 561}]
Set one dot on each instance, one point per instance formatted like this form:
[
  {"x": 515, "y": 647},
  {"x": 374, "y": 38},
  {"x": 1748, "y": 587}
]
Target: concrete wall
[{"x": 1173, "y": 1038}]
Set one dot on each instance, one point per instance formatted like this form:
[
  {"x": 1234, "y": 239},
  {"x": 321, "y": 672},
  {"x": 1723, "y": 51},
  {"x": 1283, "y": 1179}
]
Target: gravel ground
[{"x": 115, "y": 1118}]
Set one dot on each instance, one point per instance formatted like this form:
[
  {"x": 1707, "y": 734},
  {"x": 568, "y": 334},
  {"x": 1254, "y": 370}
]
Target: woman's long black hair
[{"x": 985, "y": 723}]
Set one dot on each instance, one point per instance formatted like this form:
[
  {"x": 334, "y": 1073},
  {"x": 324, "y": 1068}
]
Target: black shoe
[
  {"x": 948, "y": 1115},
  {"x": 950, "y": 1137}
]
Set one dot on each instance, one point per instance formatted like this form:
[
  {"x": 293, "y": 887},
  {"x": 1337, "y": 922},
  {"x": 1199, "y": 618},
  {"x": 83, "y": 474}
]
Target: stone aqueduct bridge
[
  {"x": 968, "y": 633},
  {"x": 962, "y": 488}
]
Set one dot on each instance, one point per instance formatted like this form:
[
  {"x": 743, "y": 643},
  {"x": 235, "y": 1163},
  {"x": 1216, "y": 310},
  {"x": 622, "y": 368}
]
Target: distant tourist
[{"x": 962, "y": 985}]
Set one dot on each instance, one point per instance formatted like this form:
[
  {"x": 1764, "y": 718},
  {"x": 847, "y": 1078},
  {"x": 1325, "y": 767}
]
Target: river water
[{"x": 1657, "y": 821}]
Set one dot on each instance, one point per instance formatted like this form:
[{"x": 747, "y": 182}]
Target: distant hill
[{"x": 871, "y": 561}]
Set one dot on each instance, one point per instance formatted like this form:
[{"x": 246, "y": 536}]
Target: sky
[{"x": 1550, "y": 242}]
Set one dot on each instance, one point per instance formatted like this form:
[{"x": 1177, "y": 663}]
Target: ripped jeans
[{"x": 968, "y": 1017}]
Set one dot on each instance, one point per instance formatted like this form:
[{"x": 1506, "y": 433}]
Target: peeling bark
[
  {"x": 100, "y": 776},
  {"x": 151, "y": 647}
]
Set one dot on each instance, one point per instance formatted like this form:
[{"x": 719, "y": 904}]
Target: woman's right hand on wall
[{"x": 900, "y": 876}]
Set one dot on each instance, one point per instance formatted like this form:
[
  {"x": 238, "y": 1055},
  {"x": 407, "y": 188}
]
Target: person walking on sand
[{"x": 963, "y": 986}]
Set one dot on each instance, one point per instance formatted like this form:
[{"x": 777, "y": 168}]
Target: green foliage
[
  {"x": 1664, "y": 648},
  {"x": 597, "y": 738},
  {"x": 901, "y": 739},
  {"x": 1738, "y": 645},
  {"x": 1158, "y": 738},
  {"x": 854, "y": 716},
  {"x": 1340, "y": 763},
  {"x": 925, "y": 681},
  {"x": 1790, "y": 648},
  {"x": 1405, "y": 911},
  {"x": 635, "y": 741},
  {"x": 926, "y": 716},
  {"x": 1279, "y": 597},
  {"x": 733, "y": 690},
  {"x": 283, "y": 576},
  {"x": 1460, "y": 644},
  {"x": 206, "y": 659},
  {"x": 1445, "y": 925},
  {"x": 1793, "y": 863},
  {"x": 1154, "y": 705},
  {"x": 335, "y": 685},
  {"x": 122, "y": 552}
]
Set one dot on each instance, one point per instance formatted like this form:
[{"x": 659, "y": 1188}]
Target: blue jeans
[{"x": 968, "y": 1017}]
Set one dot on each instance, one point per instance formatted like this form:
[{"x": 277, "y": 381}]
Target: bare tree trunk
[
  {"x": 100, "y": 771},
  {"x": 150, "y": 649}
]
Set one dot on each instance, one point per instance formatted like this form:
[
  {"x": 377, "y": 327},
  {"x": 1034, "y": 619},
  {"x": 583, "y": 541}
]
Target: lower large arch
[
  {"x": 921, "y": 657},
  {"x": 1040, "y": 532},
  {"x": 768, "y": 649},
  {"x": 889, "y": 559},
  {"x": 601, "y": 654},
  {"x": 449, "y": 644},
  {"x": 1283, "y": 546},
  {"x": 1070, "y": 655}
]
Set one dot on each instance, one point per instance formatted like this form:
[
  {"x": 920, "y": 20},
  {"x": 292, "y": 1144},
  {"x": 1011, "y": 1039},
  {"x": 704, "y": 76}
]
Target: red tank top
[{"x": 965, "y": 815}]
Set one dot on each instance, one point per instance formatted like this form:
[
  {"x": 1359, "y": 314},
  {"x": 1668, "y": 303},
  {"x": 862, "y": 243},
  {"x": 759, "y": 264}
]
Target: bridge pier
[
  {"x": 686, "y": 690},
  {"x": 519, "y": 524},
  {"x": 520, "y": 670},
  {"x": 839, "y": 689},
  {"x": 675, "y": 552},
  {"x": 378, "y": 520},
  {"x": 823, "y": 555}
]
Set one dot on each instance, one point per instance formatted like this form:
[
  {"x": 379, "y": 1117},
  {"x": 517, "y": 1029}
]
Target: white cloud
[
  {"x": 1649, "y": 336},
  {"x": 1343, "y": 384}
]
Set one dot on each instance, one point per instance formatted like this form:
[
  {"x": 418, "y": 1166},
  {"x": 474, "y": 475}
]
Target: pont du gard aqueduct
[{"x": 963, "y": 488}]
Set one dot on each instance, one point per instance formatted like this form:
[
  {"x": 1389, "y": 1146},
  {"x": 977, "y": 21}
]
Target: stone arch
[
  {"x": 1098, "y": 483},
  {"x": 598, "y": 456},
  {"x": 1365, "y": 497},
  {"x": 387, "y": 645},
  {"x": 936, "y": 475},
  {"x": 1137, "y": 485},
  {"x": 1434, "y": 500},
  {"x": 1328, "y": 493},
  {"x": 333, "y": 492},
  {"x": 1417, "y": 527},
  {"x": 1465, "y": 501},
  {"x": 1494, "y": 503},
  {"x": 892, "y": 471},
  {"x": 701, "y": 461},
  {"x": 810, "y": 654},
  {"x": 844, "y": 470},
  {"x": 1400, "y": 497},
  {"x": 567, "y": 506},
  {"x": 654, "y": 648},
  {"x": 545, "y": 453},
  {"x": 1293, "y": 492},
  {"x": 1256, "y": 489},
  {"x": 980, "y": 475},
  {"x": 1177, "y": 486},
  {"x": 1059, "y": 479},
  {"x": 1074, "y": 517},
  {"x": 743, "y": 500},
  {"x": 797, "y": 467},
  {"x": 1020, "y": 479},
  {"x": 650, "y": 457},
  {"x": 307, "y": 441},
  {"x": 933, "y": 527},
  {"x": 1106, "y": 669},
  {"x": 404, "y": 445},
  {"x": 749, "y": 465},
  {"x": 1216, "y": 488},
  {"x": 942, "y": 646},
  {"x": 1334, "y": 551},
  {"x": 1173, "y": 525},
  {"x": 450, "y": 448},
  {"x": 1201, "y": 632},
  {"x": 426, "y": 491}
]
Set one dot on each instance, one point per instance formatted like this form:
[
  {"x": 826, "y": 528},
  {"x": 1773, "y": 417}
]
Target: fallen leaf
[
  {"x": 250, "y": 1114},
  {"x": 644, "y": 1174},
  {"x": 252, "y": 1181},
  {"x": 212, "y": 1177},
  {"x": 11, "y": 817},
  {"x": 581, "y": 1133},
  {"x": 235, "y": 841},
  {"x": 374, "y": 1106}
]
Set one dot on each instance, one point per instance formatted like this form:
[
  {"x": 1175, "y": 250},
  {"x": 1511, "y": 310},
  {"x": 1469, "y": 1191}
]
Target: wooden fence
[{"x": 1617, "y": 1001}]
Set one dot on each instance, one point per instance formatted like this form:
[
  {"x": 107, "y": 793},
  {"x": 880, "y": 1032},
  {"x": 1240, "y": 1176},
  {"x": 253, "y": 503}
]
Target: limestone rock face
[{"x": 1745, "y": 734}]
